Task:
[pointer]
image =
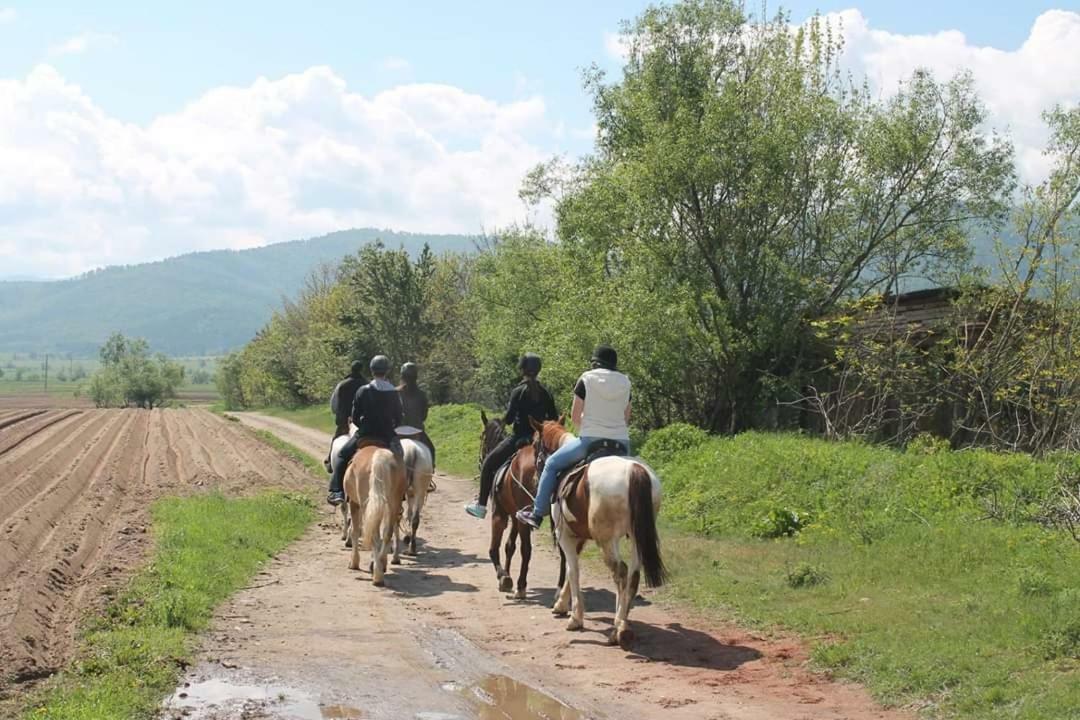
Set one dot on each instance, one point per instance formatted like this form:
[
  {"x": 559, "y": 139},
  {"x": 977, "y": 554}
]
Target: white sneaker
[{"x": 476, "y": 510}]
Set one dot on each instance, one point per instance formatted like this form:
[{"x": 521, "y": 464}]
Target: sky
[{"x": 130, "y": 131}]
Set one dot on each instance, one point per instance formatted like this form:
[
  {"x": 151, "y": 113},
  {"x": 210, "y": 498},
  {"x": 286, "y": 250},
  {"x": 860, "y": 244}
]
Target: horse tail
[
  {"x": 643, "y": 526},
  {"x": 378, "y": 507}
]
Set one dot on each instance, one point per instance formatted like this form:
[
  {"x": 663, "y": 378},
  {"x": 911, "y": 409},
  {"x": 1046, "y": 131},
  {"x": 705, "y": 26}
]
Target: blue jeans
[{"x": 572, "y": 452}]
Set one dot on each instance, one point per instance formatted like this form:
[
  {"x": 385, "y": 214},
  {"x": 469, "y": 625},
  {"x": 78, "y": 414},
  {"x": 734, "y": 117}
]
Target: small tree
[{"x": 130, "y": 376}]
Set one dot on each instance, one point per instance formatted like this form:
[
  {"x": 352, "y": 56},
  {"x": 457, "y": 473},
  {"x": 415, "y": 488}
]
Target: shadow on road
[{"x": 675, "y": 644}]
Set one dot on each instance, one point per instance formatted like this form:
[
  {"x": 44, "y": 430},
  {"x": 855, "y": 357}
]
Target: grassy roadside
[{"x": 206, "y": 547}]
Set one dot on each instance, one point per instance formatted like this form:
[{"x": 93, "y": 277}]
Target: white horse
[
  {"x": 418, "y": 472},
  {"x": 335, "y": 446}
]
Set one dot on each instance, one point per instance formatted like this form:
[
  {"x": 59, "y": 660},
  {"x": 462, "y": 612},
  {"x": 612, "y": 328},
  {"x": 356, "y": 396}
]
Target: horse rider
[
  {"x": 601, "y": 411},
  {"x": 341, "y": 403},
  {"x": 528, "y": 399},
  {"x": 376, "y": 412},
  {"x": 414, "y": 404}
]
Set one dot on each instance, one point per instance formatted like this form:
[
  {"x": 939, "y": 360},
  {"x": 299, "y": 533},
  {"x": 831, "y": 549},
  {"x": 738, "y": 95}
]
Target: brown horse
[
  {"x": 616, "y": 498},
  {"x": 516, "y": 491}
]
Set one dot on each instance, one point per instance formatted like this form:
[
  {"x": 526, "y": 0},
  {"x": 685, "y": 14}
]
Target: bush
[
  {"x": 805, "y": 575},
  {"x": 666, "y": 444}
]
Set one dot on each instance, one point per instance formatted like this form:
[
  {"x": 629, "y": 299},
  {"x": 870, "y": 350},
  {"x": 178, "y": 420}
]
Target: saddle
[
  {"x": 568, "y": 480},
  {"x": 504, "y": 470}
]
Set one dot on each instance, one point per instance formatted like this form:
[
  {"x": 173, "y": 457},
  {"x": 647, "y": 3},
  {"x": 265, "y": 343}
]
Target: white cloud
[
  {"x": 1016, "y": 85},
  {"x": 242, "y": 166},
  {"x": 395, "y": 64},
  {"x": 8, "y": 15},
  {"x": 82, "y": 42},
  {"x": 616, "y": 46}
]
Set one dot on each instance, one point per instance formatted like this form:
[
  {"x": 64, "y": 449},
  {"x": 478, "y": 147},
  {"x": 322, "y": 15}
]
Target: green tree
[
  {"x": 737, "y": 168},
  {"x": 130, "y": 376}
]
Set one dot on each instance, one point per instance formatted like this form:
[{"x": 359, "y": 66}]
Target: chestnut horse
[
  {"x": 616, "y": 498},
  {"x": 375, "y": 488},
  {"x": 517, "y": 491}
]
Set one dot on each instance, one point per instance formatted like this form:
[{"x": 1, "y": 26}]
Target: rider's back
[
  {"x": 606, "y": 394},
  {"x": 377, "y": 410}
]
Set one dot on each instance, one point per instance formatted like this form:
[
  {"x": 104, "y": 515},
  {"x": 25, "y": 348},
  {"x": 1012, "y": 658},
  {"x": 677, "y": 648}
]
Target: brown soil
[
  {"x": 75, "y": 489},
  {"x": 440, "y": 641}
]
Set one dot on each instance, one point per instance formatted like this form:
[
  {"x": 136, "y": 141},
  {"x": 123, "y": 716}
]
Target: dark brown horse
[{"x": 517, "y": 490}]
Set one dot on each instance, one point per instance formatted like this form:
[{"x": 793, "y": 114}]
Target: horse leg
[
  {"x": 354, "y": 536},
  {"x": 610, "y": 550},
  {"x": 344, "y": 507},
  {"x": 624, "y": 635},
  {"x": 561, "y": 608},
  {"x": 572, "y": 547},
  {"x": 526, "y": 556},
  {"x": 498, "y": 526},
  {"x": 506, "y": 584},
  {"x": 415, "y": 525}
]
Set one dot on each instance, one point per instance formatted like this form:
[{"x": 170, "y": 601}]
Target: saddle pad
[{"x": 500, "y": 476}]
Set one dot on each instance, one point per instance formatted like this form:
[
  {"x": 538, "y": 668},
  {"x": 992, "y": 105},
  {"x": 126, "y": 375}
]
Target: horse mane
[{"x": 550, "y": 434}]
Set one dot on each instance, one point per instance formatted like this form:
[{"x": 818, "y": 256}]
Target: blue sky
[
  {"x": 127, "y": 75},
  {"x": 159, "y": 56}
]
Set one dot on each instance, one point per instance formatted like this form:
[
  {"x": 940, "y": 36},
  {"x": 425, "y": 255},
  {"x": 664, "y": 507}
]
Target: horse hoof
[
  {"x": 613, "y": 637},
  {"x": 371, "y": 567},
  {"x": 506, "y": 583},
  {"x": 378, "y": 583},
  {"x": 574, "y": 624},
  {"x": 626, "y": 638},
  {"x": 520, "y": 594},
  {"x": 354, "y": 566},
  {"x": 411, "y": 552},
  {"x": 396, "y": 561},
  {"x": 348, "y": 543},
  {"x": 560, "y": 613}
]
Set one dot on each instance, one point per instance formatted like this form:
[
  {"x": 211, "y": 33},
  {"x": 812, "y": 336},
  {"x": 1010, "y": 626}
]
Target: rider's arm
[
  {"x": 577, "y": 411},
  {"x": 511, "y": 407}
]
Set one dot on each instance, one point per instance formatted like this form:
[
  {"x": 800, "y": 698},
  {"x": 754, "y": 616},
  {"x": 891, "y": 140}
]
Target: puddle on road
[
  {"x": 217, "y": 699},
  {"x": 504, "y": 698}
]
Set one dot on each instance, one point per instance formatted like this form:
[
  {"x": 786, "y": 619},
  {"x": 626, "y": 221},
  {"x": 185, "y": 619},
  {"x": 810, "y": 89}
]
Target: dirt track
[
  {"x": 75, "y": 486},
  {"x": 313, "y": 639}
]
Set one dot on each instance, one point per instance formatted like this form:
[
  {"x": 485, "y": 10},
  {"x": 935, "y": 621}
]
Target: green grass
[
  {"x": 206, "y": 547},
  {"x": 887, "y": 562}
]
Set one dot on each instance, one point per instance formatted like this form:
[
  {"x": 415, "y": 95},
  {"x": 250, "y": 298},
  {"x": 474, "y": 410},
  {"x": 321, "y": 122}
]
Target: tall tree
[{"x": 738, "y": 167}]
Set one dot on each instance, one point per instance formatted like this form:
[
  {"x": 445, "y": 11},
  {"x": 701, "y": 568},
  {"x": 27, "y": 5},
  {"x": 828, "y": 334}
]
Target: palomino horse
[
  {"x": 616, "y": 498},
  {"x": 516, "y": 491},
  {"x": 377, "y": 476},
  {"x": 418, "y": 472}
]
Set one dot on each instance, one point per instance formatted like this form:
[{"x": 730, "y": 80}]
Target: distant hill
[{"x": 197, "y": 304}]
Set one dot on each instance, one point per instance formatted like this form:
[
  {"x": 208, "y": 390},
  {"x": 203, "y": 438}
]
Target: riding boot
[{"x": 337, "y": 480}]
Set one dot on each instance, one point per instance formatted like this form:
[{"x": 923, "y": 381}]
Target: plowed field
[{"x": 75, "y": 490}]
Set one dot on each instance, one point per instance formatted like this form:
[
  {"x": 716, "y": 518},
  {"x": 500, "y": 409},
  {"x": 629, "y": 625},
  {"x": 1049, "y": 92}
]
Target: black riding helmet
[
  {"x": 604, "y": 356},
  {"x": 380, "y": 365},
  {"x": 357, "y": 369},
  {"x": 530, "y": 364},
  {"x": 410, "y": 371}
]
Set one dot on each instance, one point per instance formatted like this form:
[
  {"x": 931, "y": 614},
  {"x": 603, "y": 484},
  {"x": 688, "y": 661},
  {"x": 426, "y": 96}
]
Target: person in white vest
[{"x": 601, "y": 411}]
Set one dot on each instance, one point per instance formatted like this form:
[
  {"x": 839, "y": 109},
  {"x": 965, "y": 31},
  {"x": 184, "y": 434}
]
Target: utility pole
[{"x": 46, "y": 373}]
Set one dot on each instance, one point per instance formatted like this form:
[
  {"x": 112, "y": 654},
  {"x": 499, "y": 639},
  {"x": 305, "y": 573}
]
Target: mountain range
[{"x": 201, "y": 303}]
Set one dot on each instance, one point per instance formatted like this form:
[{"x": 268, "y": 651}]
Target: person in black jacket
[
  {"x": 341, "y": 404},
  {"x": 414, "y": 404},
  {"x": 376, "y": 412},
  {"x": 528, "y": 399}
]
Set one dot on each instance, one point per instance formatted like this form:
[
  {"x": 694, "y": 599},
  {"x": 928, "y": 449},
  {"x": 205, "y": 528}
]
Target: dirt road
[
  {"x": 312, "y": 639},
  {"x": 75, "y": 489}
]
